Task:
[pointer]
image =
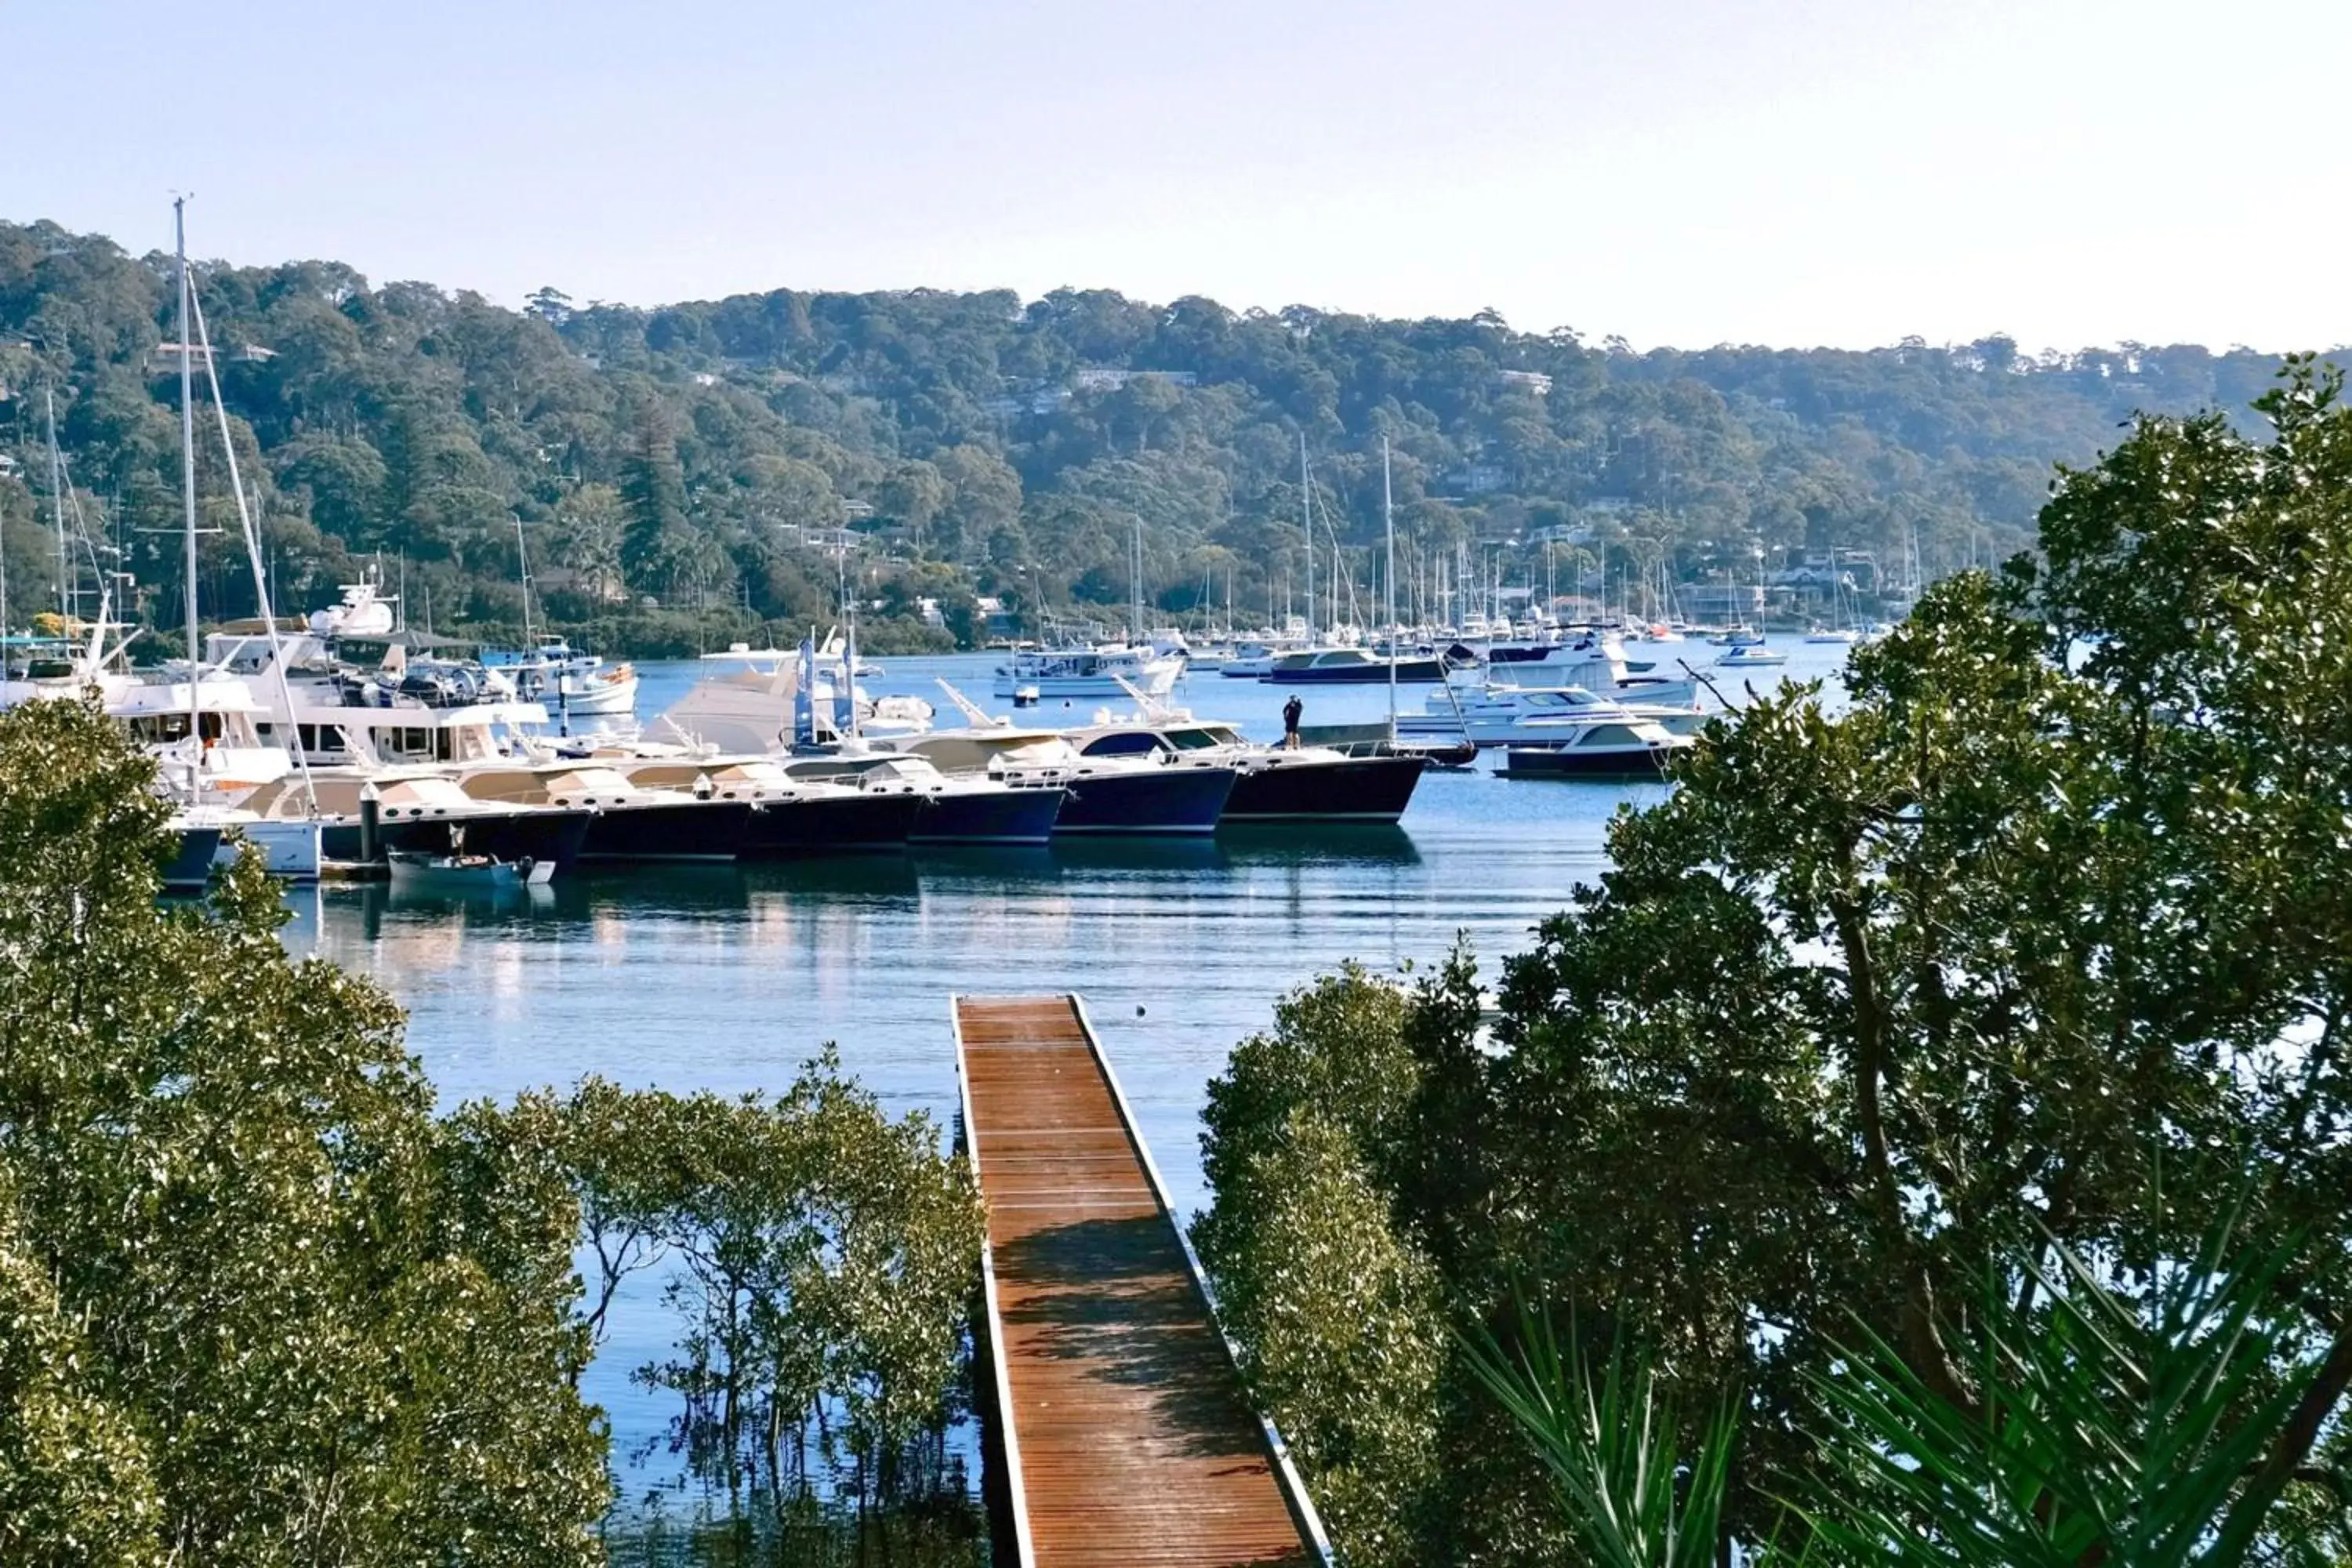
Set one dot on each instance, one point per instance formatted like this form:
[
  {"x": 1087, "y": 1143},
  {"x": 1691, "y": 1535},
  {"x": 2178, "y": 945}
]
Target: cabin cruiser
[
  {"x": 1604, "y": 747},
  {"x": 1106, "y": 795},
  {"x": 1354, "y": 665},
  {"x": 206, "y": 735},
  {"x": 1751, "y": 656},
  {"x": 1249, "y": 659},
  {"x": 627, "y": 821},
  {"x": 1093, "y": 671},
  {"x": 1312, "y": 784},
  {"x": 332, "y": 711},
  {"x": 755, "y": 705},
  {"x": 63, "y": 665},
  {"x": 1597, "y": 665},
  {"x": 816, "y": 724},
  {"x": 210, "y": 740},
  {"x": 790, "y": 814},
  {"x": 555, "y": 674},
  {"x": 1502, "y": 715},
  {"x": 955, "y": 809}
]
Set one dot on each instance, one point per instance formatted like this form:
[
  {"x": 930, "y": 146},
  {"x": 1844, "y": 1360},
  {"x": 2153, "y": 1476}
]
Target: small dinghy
[{"x": 461, "y": 872}]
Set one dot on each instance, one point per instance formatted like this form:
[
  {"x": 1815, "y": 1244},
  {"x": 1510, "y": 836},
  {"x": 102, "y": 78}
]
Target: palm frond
[{"x": 1612, "y": 1447}]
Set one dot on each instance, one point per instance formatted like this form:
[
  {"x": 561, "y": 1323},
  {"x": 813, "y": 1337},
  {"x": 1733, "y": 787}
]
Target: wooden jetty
[{"x": 1125, "y": 1435}]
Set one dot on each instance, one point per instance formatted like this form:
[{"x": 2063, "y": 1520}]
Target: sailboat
[
  {"x": 208, "y": 776},
  {"x": 1748, "y": 649}
]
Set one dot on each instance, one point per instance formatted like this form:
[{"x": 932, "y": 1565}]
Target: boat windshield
[
  {"x": 1126, "y": 743},
  {"x": 1201, "y": 737}
]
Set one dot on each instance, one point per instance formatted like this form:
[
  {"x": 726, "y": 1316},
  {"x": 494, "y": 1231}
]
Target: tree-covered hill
[{"x": 701, "y": 456}]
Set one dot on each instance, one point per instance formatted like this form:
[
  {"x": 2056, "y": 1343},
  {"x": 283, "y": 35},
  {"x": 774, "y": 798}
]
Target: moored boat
[
  {"x": 1609, "y": 749},
  {"x": 789, "y": 816},
  {"x": 1106, "y": 795},
  {"x": 423, "y": 872},
  {"x": 1354, "y": 667},
  {"x": 1312, "y": 784},
  {"x": 626, "y": 821}
]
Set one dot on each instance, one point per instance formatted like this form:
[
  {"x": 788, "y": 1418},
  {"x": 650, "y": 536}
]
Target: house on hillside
[{"x": 1110, "y": 378}]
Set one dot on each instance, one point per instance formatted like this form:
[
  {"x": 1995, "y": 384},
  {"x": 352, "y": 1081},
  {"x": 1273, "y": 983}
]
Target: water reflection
[
  {"x": 1112, "y": 853},
  {"x": 1294, "y": 844}
]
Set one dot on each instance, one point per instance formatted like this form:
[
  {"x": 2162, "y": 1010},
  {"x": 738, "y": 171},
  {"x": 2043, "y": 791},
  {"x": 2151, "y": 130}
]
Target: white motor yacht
[
  {"x": 1608, "y": 748},
  {"x": 1091, "y": 671},
  {"x": 557, "y": 676},
  {"x": 1502, "y": 715}
]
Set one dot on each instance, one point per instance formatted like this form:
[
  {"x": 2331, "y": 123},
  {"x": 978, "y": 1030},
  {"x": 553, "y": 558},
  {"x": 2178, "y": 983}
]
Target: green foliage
[
  {"x": 262, "y": 1307},
  {"x": 1343, "y": 1338},
  {"x": 2054, "y": 901},
  {"x": 75, "y": 1488},
  {"x": 2124, "y": 1424},
  {"x": 258, "y": 1304},
  {"x": 1338, "y": 1316},
  {"x": 1631, "y": 1498},
  {"x": 819, "y": 1256},
  {"x": 2116, "y": 1416}
]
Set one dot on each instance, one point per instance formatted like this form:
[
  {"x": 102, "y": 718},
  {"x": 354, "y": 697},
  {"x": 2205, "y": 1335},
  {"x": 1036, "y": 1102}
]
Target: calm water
[{"x": 727, "y": 978}]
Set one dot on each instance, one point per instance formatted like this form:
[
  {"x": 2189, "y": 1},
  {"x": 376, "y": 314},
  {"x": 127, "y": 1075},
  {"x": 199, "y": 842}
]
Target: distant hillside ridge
[{"x": 710, "y": 462}]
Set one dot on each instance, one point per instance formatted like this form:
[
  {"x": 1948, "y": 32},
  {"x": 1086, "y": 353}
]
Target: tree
[
  {"x": 985, "y": 496},
  {"x": 824, "y": 1255},
  {"x": 2049, "y": 917},
  {"x": 264, "y": 1308},
  {"x": 911, "y": 495},
  {"x": 654, "y": 487},
  {"x": 1339, "y": 1317}
]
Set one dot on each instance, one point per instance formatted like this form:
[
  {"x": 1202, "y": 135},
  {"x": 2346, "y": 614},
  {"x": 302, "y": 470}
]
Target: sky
[{"x": 1674, "y": 171}]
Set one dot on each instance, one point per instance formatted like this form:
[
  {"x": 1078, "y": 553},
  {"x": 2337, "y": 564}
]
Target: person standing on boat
[{"x": 1290, "y": 715}]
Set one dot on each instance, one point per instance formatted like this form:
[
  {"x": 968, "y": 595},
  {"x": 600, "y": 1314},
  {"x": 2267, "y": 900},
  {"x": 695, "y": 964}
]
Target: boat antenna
[
  {"x": 188, "y": 489},
  {"x": 1388, "y": 522},
  {"x": 253, "y": 558}
]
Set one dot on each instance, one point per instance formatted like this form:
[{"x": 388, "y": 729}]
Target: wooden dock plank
[{"x": 1129, "y": 1437}]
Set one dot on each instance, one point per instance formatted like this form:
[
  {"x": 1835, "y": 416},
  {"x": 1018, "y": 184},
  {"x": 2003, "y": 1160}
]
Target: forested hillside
[{"x": 681, "y": 468}]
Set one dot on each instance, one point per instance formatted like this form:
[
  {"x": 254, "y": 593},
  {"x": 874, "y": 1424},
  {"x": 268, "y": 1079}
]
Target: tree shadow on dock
[{"x": 1116, "y": 1293}]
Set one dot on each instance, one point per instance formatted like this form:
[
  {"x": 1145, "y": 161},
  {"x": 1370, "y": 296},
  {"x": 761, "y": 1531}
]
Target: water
[{"x": 727, "y": 978}]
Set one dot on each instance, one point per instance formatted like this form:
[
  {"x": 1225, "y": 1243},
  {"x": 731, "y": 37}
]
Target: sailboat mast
[
  {"x": 1388, "y": 523},
  {"x": 57, "y": 505},
  {"x": 522, "y": 563},
  {"x": 188, "y": 483},
  {"x": 1307, "y": 517}
]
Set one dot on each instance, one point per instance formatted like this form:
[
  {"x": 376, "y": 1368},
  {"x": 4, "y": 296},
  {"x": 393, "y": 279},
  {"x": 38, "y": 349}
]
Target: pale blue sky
[{"x": 1681, "y": 172}]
